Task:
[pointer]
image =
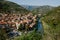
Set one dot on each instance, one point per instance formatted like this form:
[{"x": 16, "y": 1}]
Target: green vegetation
[
  {"x": 30, "y": 36},
  {"x": 42, "y": 10},
  {"x": 10, "y": 7},
  {"x": 52, "y": 19},
  {"x": 3, "y": 34}
]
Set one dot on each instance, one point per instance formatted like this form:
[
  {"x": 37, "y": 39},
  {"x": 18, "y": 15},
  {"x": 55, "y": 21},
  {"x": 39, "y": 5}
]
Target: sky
[{"x": 37, "y": 2}]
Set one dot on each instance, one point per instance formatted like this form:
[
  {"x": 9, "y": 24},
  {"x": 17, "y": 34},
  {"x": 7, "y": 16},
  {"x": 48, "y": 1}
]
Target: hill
[
  {"x": 7, "y": 6},
  {"x": 42, "y": 10},
  {"x": 28, "y": 7},
  {"x": 52, "y": 19}
]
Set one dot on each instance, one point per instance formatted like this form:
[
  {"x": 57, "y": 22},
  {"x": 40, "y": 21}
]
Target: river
[{"x": 40, "y": 26}]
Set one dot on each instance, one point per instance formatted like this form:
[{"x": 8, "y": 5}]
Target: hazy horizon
[{"x": 37, "y": 2}]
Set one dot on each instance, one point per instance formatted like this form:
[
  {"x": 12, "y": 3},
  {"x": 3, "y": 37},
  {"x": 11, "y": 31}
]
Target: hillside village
[{"x": 18, "y": 23}]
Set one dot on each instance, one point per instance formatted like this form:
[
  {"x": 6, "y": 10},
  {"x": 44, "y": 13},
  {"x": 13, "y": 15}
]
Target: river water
[{"x": 39, "y": 26}]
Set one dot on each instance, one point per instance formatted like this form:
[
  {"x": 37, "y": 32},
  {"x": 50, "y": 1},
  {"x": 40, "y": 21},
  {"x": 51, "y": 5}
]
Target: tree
[{"x": 2, "y": 34}]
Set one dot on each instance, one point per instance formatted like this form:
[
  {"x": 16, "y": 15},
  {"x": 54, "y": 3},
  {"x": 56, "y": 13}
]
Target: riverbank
[
  {"x": 48, "y": 32},
  {"x": 47, "y": 35}
]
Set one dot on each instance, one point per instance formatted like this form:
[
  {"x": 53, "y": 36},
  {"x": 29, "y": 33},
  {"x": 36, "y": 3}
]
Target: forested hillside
[
  {"x": 42, "y": 10},
  {"x": 7, "y": 6},
  {"x": 52, "y": 19}
]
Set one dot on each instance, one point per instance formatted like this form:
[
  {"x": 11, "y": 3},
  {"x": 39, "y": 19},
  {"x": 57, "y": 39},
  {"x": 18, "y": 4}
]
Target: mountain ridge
[{"x": 11, "y": 6}]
